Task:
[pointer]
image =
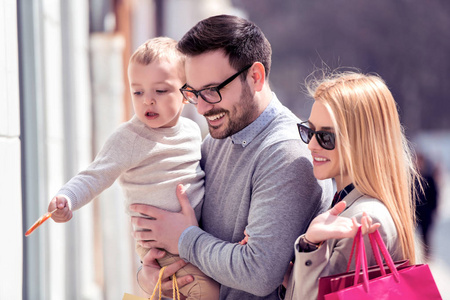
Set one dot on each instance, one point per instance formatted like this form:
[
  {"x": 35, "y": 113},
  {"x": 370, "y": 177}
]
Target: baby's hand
[
  {"x": 63, "y": 214},
  {"x": 245, "y": 240}
]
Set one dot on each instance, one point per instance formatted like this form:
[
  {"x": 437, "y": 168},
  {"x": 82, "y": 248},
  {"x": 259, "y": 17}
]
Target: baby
[{"x": 150, "y": 154}]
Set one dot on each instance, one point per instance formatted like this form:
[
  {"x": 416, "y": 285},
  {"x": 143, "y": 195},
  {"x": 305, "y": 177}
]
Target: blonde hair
[
  {"x": 157, "y": 49},
  {"x": 371, "y": 144}
]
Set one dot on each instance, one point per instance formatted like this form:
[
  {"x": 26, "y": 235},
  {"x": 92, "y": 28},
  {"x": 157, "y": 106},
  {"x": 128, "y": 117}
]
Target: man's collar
[{"x": 248, "y": 134}]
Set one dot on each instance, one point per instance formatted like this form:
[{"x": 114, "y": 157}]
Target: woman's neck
[{"x": 342, "y": 182}]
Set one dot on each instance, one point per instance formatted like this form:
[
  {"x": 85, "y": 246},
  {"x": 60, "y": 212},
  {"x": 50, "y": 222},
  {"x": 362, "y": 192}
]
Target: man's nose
[{"x": 203, "y": 106}]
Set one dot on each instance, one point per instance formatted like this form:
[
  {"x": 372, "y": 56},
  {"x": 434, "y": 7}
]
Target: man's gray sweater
[{"x": 260, "y": 180}]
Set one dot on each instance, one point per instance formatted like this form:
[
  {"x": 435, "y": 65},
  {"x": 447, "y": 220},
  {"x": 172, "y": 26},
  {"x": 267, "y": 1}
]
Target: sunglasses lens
[
  {"x": 305, "y": 133},
  {"x": 326, "y": 140}
]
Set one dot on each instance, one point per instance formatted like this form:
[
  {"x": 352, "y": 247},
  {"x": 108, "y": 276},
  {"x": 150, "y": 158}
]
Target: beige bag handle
[{"x": 176, "y": 290}]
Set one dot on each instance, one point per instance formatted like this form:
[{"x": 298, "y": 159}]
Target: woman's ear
[{"x": 258, "y": 76}]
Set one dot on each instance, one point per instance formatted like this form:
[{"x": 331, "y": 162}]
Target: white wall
[
  {"x": 57, "y": 143},
  {"x": 72, "y": 92},
  {"x": 10, "y": 182}
]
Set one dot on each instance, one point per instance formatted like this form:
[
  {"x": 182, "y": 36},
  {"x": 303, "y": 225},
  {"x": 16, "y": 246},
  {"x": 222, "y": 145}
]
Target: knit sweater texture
[
  {"x": 148, "y": 163},
  {"x": 265, "y": 185}
]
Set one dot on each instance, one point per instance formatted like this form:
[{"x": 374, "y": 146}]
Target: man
[{"x": 258, "y": 174}]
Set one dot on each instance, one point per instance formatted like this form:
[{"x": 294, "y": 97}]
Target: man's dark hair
[{"x": 241, "y": 40}]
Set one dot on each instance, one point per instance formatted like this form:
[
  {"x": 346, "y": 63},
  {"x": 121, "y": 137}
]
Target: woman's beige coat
[{"x": 332, "y": 257}]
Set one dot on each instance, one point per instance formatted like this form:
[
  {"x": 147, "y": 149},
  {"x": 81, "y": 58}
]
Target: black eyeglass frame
[
  {"x": 215, "y": 88},
  {"x": 319, "y": 136}
]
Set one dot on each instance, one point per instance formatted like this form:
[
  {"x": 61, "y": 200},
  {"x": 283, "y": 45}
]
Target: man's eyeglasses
[
  {"x": 325, "y": 139},
  {"x": 209, "y": 94}
]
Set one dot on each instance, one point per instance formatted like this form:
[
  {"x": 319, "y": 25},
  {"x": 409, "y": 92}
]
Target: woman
[{"x": 355, "y": 136}]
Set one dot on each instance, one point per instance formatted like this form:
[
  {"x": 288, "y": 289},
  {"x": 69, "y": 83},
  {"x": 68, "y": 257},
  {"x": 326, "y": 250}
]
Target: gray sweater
[
  {"x": 149, "y": 164},
  {"x": 261, "y": 179}
]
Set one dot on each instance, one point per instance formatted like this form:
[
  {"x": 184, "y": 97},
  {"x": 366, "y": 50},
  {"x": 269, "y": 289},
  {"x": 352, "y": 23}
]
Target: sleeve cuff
[
  {"x": 303, "y": 245},
  {"x": 69, "y": 202},
  {"x": 186, "y": 239}
]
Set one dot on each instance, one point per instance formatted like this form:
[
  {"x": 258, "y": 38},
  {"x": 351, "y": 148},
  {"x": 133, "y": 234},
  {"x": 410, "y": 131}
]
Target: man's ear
[{"x": 258, "y": 75}]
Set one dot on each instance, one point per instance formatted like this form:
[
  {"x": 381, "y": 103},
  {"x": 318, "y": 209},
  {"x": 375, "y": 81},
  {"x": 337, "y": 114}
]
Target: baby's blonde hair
[
  {"x": 159, "y": 48},
  {"x": 371, "y": 144}
]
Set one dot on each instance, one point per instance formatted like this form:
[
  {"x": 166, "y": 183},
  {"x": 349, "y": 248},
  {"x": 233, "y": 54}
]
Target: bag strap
[
  {"x": 158, "y": 286},
  {"x": 377, "y": 241},
  {"x": 355, "y": 245},
  {"x": 359, "y": 251},
  {"x": 376, "y": 253},
  {"x": 176, "y": 290},
  {"x": 361, "y": 261}
]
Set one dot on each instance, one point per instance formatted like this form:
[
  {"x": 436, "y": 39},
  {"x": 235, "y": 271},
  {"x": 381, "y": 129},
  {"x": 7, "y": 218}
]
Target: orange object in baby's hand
[{"x": 39, "y": 222}]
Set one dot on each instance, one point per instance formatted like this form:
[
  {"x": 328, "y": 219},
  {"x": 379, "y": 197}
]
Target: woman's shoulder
[{"x": 372, "y": 206}]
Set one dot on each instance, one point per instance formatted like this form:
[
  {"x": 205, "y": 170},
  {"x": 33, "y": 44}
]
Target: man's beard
[{"x": 238, "y": 119}]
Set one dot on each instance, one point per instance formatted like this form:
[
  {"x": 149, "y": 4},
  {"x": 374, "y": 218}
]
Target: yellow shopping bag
[{"x": 131, "y": 297}]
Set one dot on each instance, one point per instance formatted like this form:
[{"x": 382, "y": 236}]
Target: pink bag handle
[
  {"x": 359, "y": 250},
  {"x": 376, "y": 253},
  {"x": 376, "y": 240},
  {"x": 355, "y": 242}
]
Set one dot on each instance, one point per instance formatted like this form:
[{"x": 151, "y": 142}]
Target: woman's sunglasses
[{"x": 325, "y": 139}]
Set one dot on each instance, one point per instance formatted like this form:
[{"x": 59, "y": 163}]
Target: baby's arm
[
  {"x": 63, "y": 214},
  {"x": 112, "y": 160}
]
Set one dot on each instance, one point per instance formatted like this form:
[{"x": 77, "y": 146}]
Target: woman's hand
[
  {"x": 329, "y": 225},
  {"x": 367, "y": 225}
]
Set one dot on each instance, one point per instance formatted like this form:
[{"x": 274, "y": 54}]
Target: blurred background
[{"x": 64, "y": 90}]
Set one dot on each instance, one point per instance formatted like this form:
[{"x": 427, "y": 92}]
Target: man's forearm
[{"x": 233, "y": 265}]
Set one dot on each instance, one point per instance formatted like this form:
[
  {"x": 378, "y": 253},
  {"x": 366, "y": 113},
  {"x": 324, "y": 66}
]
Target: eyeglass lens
[{"x": 210, "y": 95}]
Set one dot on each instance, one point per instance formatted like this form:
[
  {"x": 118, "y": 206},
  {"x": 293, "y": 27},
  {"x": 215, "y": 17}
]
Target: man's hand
[
  {"x": 148, "y": 276},
  {"x": 165, "y": 229}
]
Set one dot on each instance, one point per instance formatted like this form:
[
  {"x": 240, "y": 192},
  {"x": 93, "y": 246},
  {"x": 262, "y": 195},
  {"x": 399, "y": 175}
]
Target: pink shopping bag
[{"x": 390, "y": 281}]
